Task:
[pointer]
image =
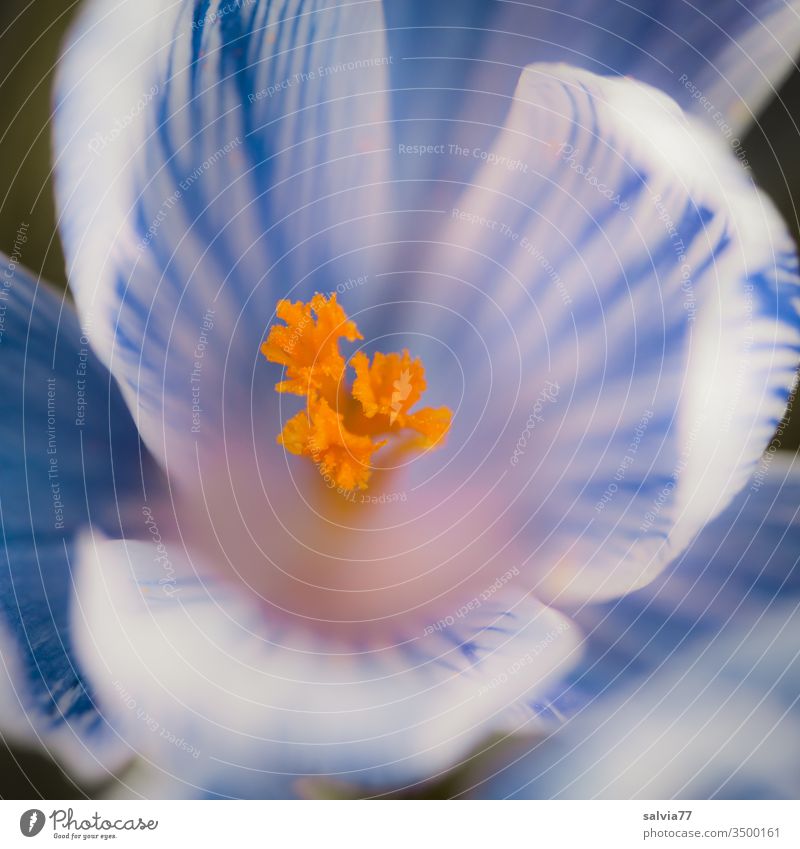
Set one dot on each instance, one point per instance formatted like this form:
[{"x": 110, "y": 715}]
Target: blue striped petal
[
  {"x": 211, "y": 159},
  {"x": 740, "y": 564},
  {"x": 230, "y": 701},
  {"x": 622, "y": 306},
  {"x": 712, "y": 723},
  {"x": 723, "y": 60},
  {"x": 686, "y": 689},
  {"x": 429, "y": 92},
  {"x": 70, "y": 456}
]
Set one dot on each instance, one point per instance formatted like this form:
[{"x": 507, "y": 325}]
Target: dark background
[{"x": 30, "y": 35}]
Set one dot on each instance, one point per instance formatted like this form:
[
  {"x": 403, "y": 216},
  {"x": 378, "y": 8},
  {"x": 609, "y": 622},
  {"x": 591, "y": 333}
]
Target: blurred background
[{"x": 30, "y": 34}]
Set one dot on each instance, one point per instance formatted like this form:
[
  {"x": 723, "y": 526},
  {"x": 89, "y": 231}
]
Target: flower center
[{"x": 344, "y": 424}]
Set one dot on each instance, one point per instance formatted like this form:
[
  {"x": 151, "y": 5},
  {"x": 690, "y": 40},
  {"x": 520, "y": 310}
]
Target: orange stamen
[{"x": 341, "y": 425}]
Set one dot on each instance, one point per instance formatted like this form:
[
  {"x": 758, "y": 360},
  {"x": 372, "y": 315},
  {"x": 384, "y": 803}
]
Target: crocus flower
[{"x": 382, "y": 370}]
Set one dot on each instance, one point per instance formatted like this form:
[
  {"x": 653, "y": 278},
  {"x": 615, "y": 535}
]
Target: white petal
[{"x": 198, "y": 684}]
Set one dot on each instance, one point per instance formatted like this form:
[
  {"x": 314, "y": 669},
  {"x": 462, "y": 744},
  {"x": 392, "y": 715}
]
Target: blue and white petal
[
  {"x": 622, "y": 306},
  {"x": 722, "y": 60},
  {"x": 685, "y": 688},
  {"x": 211, "y": 159},
  {"x": 436, "y": 44},
  {"x": 70, "y": 455},
  {"x": 205, "y": 688},
  {"x": 743, "y": 562},
  {"x": 716, "y": 721}
]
